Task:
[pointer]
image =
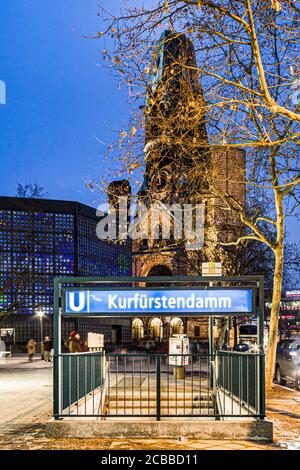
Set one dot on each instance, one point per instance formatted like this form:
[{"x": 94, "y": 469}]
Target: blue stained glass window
[
  {"x": 43, "y": 221},
  {"x": 26, "y": 287},
  {"x": 5, "y": 280},
  {"x": 83, "y": 265},
  {"x": 43, "y": 263},
  {"x": 48, "y": 309},
  {"x": 64, "y": 222},
  {"x": 87, "y": 227},
  {"x": 5, "y": 300},
  {"x": 5, "y": 259},
  {"x": 21, "y": 220},
  {"x": 22, "y": 241},
  {"x": 24, "y": 300},
  {"x": 35, "y": 246},
  {"x": 25, "y": 310},
  {"x": 64, "y": 264},
  {"x": 64, "y": 243},
  {"x": 42, "y": 300},
  {"x": 22, "y": 262},
  {"x": 5, "y": 219},
  {"x": 5, "y": 241},
  {"x": 43, "y": 283},
  {"x": 43, "y": 243}
]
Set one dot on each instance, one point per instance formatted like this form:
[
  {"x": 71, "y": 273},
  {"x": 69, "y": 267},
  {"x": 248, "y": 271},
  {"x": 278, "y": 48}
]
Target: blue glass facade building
[{"x": 41, "y": 239}]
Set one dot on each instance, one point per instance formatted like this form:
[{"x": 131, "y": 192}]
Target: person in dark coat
[
  {"x": 73, "y": 342},
  {"x": 47, "y": 349}
]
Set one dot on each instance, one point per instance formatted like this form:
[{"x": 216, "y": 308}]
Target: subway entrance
[{"x": 158, "y": 384}]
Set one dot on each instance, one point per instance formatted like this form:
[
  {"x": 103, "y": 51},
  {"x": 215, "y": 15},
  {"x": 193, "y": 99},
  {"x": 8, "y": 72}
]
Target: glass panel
[
  {"x": 64, "y": 243},
  {"x": 43, "y": 263},
  {"x": 43, "y": 243},
  {"x": 64, "y": 264},
  {"x": 5, "y": 219},
  {"x": 5, "y": 241},
  {"x": 21, "y": 220},
  {"x": 64, "y": 223},
  {"x": 43, "y": 221}
]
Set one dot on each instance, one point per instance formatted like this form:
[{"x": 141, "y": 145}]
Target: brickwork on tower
[{"x": 224, "y": 167}]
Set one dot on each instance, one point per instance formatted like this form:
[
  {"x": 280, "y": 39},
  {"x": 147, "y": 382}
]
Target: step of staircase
[
  {"x": 179, "y": 411},
  {"x": 164, "y": 404},
  {"x": 118, "y": 395}
]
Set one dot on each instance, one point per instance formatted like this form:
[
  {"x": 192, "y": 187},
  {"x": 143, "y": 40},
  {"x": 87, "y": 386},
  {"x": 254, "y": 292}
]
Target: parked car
[{"x": 288, "y": 362}]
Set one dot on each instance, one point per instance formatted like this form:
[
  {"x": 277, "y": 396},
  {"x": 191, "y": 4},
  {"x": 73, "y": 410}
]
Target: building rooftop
[{"x": 49, "y": 205}]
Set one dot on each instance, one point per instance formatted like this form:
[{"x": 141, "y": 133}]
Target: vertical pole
[
  {"x": 158, "y": 387},
  {"x": 56, "y": 359},
  {"x": 211, "y": 344},
  {"x": 41, "y": 328},
  {"x": 211, "y": 335},
  {"x": 76, "y": 244},
  {"x": 260, "y": 339},
  {"x": 260, "y": 316},
  {"x": 211, "y": 349}
]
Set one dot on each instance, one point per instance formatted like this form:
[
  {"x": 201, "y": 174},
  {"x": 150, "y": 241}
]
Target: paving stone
[{"x": 25, "y": 408}]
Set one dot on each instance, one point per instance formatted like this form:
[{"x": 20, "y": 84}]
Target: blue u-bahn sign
[{"x": 143, "y": 301}]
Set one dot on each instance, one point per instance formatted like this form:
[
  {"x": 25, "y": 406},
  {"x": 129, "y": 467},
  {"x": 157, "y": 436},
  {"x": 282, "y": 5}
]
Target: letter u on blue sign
[{"x": 77, "y": 301}]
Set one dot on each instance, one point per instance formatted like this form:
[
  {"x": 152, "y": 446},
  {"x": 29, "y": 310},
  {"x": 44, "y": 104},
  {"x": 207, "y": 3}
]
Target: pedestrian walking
[
  {"x": 73, "y": 342},
  {"x": 47, "y": 349},
  {"x": 31, "y": 349}
]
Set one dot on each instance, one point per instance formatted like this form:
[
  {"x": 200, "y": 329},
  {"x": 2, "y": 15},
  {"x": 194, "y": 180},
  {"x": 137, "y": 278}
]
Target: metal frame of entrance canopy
[{"x": 181, "y": 283}]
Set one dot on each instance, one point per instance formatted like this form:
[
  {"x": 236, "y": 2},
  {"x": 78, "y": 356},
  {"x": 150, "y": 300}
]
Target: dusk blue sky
[{"x": 59, "y": 100}]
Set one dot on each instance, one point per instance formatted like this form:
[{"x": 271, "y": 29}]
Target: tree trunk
[{"x": 276, "y": 297}]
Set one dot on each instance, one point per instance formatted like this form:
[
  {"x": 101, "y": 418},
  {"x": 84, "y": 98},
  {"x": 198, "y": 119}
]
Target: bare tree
[
  {"x": 31, "y": 190},
  {"x": 248, "y": 65}
]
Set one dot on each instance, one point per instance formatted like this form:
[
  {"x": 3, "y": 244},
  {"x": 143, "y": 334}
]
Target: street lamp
[{"x": 40, "y": 314}]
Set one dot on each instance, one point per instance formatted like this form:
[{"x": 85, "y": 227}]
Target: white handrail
[
  {"x": 103, "y": 391},
  {"x": 216, "y": 390}
]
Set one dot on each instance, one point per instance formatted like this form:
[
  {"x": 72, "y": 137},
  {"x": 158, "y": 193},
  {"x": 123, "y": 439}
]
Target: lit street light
[{"x": 40, "y": 314}]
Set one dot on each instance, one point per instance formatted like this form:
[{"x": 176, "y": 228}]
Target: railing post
[
  {"x": 211, "y": 349},
  {"x": 57, "y": 379},
  {"x": 158, "y": 387},
  {"x": 262, "y": 400}
]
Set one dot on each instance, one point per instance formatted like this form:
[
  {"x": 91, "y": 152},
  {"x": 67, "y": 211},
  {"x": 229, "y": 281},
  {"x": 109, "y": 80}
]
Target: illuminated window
[
  {"x": 43, "y": 243},
  {"x": 64, "y": 264},
  {"x": 137, "y": 329},
  {"x": 22, "y": 241},
  {"x": 43, "y": 221},
  {"x": 5, "y": 220},
  {"x": 43, "y": 263},
  {"x": 64, "y": 222},
  {"x": 22, "y": 262},
  {"x": 64, "y": 243},
  {"x": 5, "y": 262},
  {"x": 5, "y": 241},
  {"x": 21, "y": 220}
]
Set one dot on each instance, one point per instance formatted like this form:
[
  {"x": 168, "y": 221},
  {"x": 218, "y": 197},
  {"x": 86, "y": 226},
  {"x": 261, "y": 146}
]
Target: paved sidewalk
[
  {"x": 26, "y": 406},
  {"x": 283, "y": 408},
  {"x": 21, "y": 362}
]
